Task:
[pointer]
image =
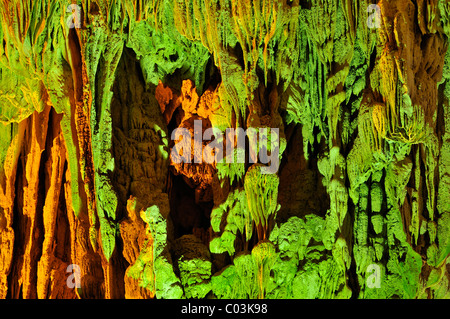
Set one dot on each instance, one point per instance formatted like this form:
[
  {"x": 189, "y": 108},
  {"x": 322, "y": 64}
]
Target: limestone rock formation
[{"x": 93, "y": 203}]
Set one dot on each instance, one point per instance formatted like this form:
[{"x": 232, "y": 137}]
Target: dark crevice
[
  {"x": 186, "y": 214},
  {"x": 14, "y": 290}
]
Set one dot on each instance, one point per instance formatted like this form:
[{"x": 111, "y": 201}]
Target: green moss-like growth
[
  {"x": 167, "y": 284},
  {"x": 230, "y": 219},
  {"x": 194, "y": 266},
  {"x": 261, "y": 191},
  {"x": 249, "y": 274},
  {"x": 242, "y": 274},
  {"x": 264, "y": 255}
]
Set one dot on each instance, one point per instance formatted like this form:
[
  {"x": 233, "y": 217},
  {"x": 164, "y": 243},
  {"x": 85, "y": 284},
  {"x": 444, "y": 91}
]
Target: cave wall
[{"x": 91, "y": 91}]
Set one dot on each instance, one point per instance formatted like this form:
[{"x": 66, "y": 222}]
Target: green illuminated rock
[
  {"x": 194, "y": 266},
  {"x": 261, "y": 191},
  {"x": 231, "y": 219}
]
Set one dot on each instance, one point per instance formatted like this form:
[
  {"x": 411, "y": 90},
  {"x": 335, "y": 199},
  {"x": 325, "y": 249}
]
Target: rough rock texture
[{"x": 93, "y": 205}]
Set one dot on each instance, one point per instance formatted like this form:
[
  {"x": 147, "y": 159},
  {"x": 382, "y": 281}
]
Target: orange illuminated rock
[{"x": 167, "y": 100}]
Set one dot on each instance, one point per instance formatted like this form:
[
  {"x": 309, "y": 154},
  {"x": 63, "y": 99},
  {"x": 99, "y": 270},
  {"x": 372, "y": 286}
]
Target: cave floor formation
[{"x": 224, "y": 149}]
